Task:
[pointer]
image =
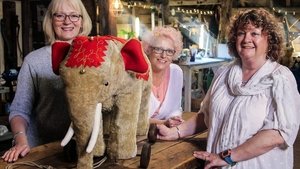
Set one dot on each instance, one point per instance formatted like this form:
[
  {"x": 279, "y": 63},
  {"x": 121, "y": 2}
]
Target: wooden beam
[
  {"x": 165, "y": 8},
  {"x": 26, "y": 27},
  {"x": 288, "y": 2},
  {"x": 90, "y": 6},
  {"x": 225, "y": 12},
  {"x": 107, "y": 21}
]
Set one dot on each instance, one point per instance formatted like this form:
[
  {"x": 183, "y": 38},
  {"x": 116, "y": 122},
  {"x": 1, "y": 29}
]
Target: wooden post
[
  {"x": 107, "y": 20},
  {"x": 26, "y": 39},
  {"x": 226, "y": 13},
  {"x": 90, "y": 6},
  {"x": 152, "y": 19},
  {"x": 165, "y": 10}
]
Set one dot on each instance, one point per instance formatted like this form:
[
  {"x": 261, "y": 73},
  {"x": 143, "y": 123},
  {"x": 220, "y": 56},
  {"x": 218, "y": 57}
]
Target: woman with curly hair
[
  {"x": 252, "y": 107},
  {"x": 162, "y": 46}
]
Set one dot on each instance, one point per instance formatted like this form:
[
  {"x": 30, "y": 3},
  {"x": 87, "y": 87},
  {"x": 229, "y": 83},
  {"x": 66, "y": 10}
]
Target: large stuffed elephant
[{"x": 108, "y": 84}]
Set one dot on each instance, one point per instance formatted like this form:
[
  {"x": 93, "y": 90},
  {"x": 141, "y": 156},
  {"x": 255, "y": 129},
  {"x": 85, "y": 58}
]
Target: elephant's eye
[{"x": 106, "y": 83}]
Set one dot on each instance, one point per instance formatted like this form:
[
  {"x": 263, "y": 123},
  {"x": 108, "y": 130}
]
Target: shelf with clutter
[
  {"x": 8, "y": 83},
  {"x": 5, "y": 132}
]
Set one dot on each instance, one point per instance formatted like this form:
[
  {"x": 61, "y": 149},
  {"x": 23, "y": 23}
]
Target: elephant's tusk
[
  {"x": 96, "y": 128},
  {"x": 68, "y": 136}
]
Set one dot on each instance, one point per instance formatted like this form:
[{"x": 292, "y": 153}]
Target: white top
[
  {"x": 234, "y": 113},
  {"x": 171, "y": 105}
]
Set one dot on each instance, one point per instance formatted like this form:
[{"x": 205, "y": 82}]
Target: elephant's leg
[
  {"x": 107, "y": 119},
  {"x": 122, "y": 141},
  {"x": 143, "y": 122}
]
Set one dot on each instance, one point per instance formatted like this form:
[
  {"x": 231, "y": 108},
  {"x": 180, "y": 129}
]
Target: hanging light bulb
[
  {"x": 117, "y": 8},
  {"x": 173, "y": 12}
]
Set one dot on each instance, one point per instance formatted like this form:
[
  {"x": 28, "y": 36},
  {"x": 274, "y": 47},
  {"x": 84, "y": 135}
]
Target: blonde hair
[
  {"x": 169, "y": 32},
  {"x": 54, "y": 6}
]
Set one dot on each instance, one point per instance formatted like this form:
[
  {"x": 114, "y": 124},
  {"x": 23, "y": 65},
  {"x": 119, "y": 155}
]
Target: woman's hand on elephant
[
  {"x": 20, "y": 149},
  {"x": 174, "y": 121},
  {"x": 166, "y": 133}
]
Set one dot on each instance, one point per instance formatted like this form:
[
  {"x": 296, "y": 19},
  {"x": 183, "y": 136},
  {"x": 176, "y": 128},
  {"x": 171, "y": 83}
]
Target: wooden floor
[{"x": 297, "y": 152}]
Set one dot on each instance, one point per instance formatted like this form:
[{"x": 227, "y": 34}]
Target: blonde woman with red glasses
[{"x": 38, "y": 113}]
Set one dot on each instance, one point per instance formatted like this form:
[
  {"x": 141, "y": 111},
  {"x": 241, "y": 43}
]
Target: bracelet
[
  {"x": 17, "y": 133},
  {"x": 14, "y": 138},
  {"x": 178, "y": 132}
]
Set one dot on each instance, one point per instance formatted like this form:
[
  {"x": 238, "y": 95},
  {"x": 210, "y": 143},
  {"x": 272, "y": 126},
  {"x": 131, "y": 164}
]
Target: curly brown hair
[{"x": 261, "y": 18}]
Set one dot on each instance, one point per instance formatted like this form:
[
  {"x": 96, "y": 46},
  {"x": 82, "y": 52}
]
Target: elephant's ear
[
  {"x": 59, "y": 51},
  {"x": 135, "y": 59}
]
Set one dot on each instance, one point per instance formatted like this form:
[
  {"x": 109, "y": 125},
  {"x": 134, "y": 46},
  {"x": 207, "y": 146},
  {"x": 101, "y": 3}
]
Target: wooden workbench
[{"x": 164, "y": 154}]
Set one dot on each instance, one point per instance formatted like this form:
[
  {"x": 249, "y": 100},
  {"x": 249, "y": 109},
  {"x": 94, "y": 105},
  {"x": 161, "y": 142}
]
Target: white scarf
[
  {"x": 283, "y": 91},
  {"x": 259, "y": 82}
]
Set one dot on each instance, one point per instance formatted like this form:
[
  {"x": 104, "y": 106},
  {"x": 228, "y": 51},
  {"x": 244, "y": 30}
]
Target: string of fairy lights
[
  {"x": 195, "y": 11},
  {"x": 191, "y": 11},
  {"x": 188, "y": 10},
  {"x": 285, "y": 12},
  {"x": 173, "y": 10},
  {"x": 292, "y": 35}
]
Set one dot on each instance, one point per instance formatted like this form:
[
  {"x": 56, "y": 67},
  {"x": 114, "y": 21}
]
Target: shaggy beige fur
[{"x": 124, "y": 99}]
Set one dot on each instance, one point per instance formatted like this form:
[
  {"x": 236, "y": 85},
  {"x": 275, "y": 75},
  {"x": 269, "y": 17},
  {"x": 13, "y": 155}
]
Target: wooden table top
[{"x": 164, "y": 154}]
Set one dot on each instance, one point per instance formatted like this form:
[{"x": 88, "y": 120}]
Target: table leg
[{"x": 187, "y": 74}]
